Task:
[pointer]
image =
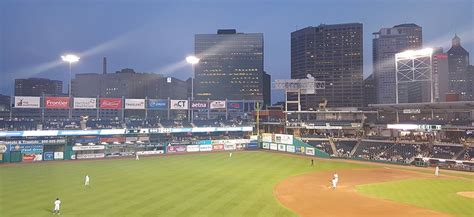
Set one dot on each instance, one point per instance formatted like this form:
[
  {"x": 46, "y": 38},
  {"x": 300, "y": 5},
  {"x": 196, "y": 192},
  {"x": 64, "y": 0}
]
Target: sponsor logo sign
[
  {"x": 265, "y": 145},
  {"x": 3, "y": 148},
  {"x": 198, "y": 105},
  {"x": 205, "y": 148},
  {"x": 284, "y": 139},
  {"x": 89, "y": 156},
  {"x": 58, "y": 155},
  {"x": 32, "y": 157},
  {"x": 192, "y": 148},
  {"x": 113, "y": 139},
  {"x": 281, "y": 147},
  {"x": 217, "y": 105},
  {"x": 176, "y": 148},
  {"x": 290, "y": 148},
  {"x": 88, "y": 147},
  {"x": 150, "y": 152},
  {"x": 134, "y": 103},
  {"x": 85, "y": 103},
  {"x": 218, "y": 147},
  {"x": 235, "y": 105},
  {"x": 27, "y": 102},
  {"x": 240, "y": 146},
  {"x": 86, "y": 140},
  {"x": 42, "y": 141},
  {"x": 229, "y": 147},
  {"x": 179, "y": 104},
  {"x": 27, "y": 149},
  {"x": 267, "y": 137},
  {"x": 252, "y": 146},
  {"x": 310, "y": 151},
  {"x": 48, "y": 156},
  {"x": 158, "y": 104},
  {"x": 299, "y": 149},
  {"x": 56, "y": 102},
  {"x": 273, "y": 146},
  {"x": 110, "y": 103}
]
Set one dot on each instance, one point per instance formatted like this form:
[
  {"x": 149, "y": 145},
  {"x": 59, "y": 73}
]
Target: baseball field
[{"x": 247, "y": 184}]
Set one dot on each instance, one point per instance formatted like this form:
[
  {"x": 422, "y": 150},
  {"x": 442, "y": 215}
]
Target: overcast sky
[{"x": 154, "y": 36}]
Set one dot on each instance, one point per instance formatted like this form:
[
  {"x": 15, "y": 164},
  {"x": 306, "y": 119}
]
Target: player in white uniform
[
  {"x": 57, "y": 204},
  {"x": 336, "y": 177},
  {"x": 136, "y": 156},
  {"x": 87, "y": 180},
  {"x": 230, "y": 154},
  {"x": 334, "y": 183},
  {"x": 437, "y": 171}
]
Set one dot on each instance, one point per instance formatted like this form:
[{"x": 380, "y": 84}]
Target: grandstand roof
[{"x": 459, "y": 105}]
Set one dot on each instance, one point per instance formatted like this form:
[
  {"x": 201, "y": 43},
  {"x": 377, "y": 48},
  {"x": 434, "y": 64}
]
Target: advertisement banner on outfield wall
[
  {"x": 88, "y": 147},
  {"x": 273, "y": 146},
  {"x": 176, "y": 148},
  {"x": 252, "y": 146},
  {"x": 199, "y": 105},
  {"x": 113, "y": 139},
  {"x": 48, "y": 156},
  {"x": 218, "y": 147},
  {"x": 235, "y": 106},
  {"x": 205, "y": 148},
  {"x": 267, "y": 137},
  {"x": 228, "y": 147},
  {"x": 299, "y": 149},
  {"x": 56, "y": 102},
  {"x": 265, "y": 145},
  {"x": 281, "y": 147},
  {"x": 178, "y": 104},
  {"x": 150, "y": 152},
  {"x": 88, "y": 139},
  {"x": 217, "y": 105},
  {"x": 3, "y": 148},
  {"x": 27, "y": 149},
  {"x": 192, "y": 148},
  {"x": 284, "y": 139},
  {"x": 27, "y": 102},
  {"x": 290, "y": 148},
  {"x": 85, "y": 103},
  {"x": 310, "y": 151},
  {"x": 157, "y": 104},
  {"x": 240, "y": 146},
  {"x": 58, "y": 155},
  {"x": 110, "y": 103},
  {"x": 90, "y": 156},
  {"x": 32, "y": 157},
  {"x": 134, "y": 103}
]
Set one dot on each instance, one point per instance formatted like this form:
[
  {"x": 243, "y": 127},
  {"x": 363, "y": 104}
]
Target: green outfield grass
[
  {"x": 438, "y": 194},
  {"x": 182, "y": 185}
]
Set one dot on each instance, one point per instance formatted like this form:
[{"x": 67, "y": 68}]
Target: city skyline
[{"x": 127, "y": 34}]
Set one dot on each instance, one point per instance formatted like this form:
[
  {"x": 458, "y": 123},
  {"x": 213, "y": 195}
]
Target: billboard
[
  {"x": 58, "y": 155},
  {"x": 88, "y": 147},
  {"x": 310, "y": 151},
  {"x": 48, "y": 156},
  {"x": 85, "y": 103},
  {"x": 284, "y": 138},
  {"x": 205, "y": 148},
  {"x": 217, "y": 105},
  {"x": 56, "y": 102},
  {"x": 192, "y": 148},
  {"x": 134, "y": 103},
  {"x": 27, "y": 102},
  {"x": 273, "y": 146},
  {"x": 27, "y": 148},
  {"x": 32, "y": 157},
  {"x": 89, "y": 156},
  {"x": 229, "y": 147},
  {"x": 265, "y": 145},
  {"x": 158, "y": 104},
  {"x": 198, "y": 105},
  {"x": 110, "y": 103},
  {"x": 176, "y": 148},
  {"x": 179, "y": 104},
  {"x": 281, "y": 147},
  {"x": 290, "y": 148},
  {"x": 218, "y": 147},
  {"x": 235, "y": 105},
  {"x": 267, "y": 137}
]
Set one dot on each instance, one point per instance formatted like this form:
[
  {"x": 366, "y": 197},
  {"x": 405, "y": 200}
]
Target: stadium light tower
[
  {"x": 193, "y": 60},
  {"x": 70, "y": 58}
]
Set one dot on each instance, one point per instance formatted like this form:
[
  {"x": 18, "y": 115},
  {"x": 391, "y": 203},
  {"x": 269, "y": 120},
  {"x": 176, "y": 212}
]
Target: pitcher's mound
[{"x": 469, "y": 194}]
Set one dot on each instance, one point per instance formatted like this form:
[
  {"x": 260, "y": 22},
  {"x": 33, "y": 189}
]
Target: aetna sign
[
  {"x": 198, "y": 105},
  {"x": 57, "y": 102}
]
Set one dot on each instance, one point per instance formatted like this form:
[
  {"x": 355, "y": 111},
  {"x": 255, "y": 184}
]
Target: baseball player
[
  {"x": 57, "y": 204},
  {"x": 437, "y": 171},
  {"x": 312, "y": 162},
  {"x": 230, "y": 154},
  {"x": 87, "y": 181},
  {"x": 136, "y": 156},
  {"x": 334, "y": 183},
  {"x": 336, "y": 177}
]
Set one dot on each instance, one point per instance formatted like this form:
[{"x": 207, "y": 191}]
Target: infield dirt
[{"x": 310, "y": 195}]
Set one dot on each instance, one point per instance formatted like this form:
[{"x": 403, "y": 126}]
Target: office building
[
  {"x": 369, "y": 90},
  {"x": 38, "y": 87},
  {"x": 458, "y": 60},
  {"x": 386, "y": 43},
  {"x": 230, "y": 67},
  {"x": 333, "y": 54}
]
